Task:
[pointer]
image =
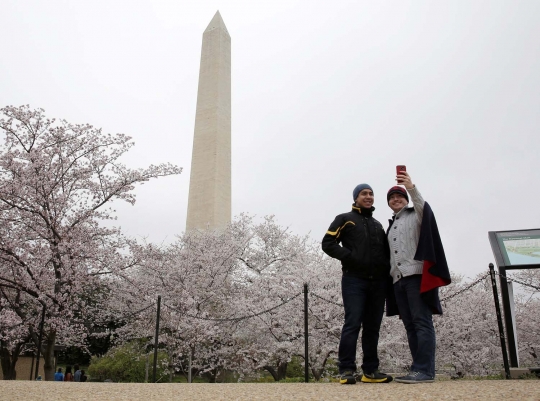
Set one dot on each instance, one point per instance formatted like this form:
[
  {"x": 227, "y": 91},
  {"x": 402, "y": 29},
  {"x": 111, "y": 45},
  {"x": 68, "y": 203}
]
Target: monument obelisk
[{"x": 209, "y": 203}]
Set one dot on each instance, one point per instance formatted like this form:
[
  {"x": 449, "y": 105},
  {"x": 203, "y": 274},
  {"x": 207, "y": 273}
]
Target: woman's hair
[{"x": 68, "y": 369}]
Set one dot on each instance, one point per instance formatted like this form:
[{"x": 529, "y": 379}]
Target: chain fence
[
  {"x": 474, "y": 283},
  {"x": 329, "y": 301},
  {"x": 326, "y": 300},
  {"x": 518, "y": 281},
  {"x": 237, "y": 319},
  {"x": 137, "y": 311},
  {"x": 130, "y": 314},
  {"x": 459, "y": 292}
]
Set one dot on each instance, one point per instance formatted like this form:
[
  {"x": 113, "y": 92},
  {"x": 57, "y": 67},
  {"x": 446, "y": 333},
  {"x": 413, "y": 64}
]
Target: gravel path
[{"x": 499, "y": 390}]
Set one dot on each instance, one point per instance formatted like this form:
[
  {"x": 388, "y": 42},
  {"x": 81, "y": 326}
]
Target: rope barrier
[{"x": 237, "y": 319}]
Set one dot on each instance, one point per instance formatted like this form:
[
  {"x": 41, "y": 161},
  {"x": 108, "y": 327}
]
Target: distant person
[
  {"x": 77, "y": 374},
  {"x": 365, "y": 262},
  {"x": 59, "y": 376},
  {"x": 83, "y": 376},
  {"x": 418, "y": 268},
  {"x": 69, "y": 376}
]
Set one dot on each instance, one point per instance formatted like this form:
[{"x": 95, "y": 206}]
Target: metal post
[
  {"x": 156, "y": 338},
  {"x": 189, "y": 364},
  {"x": 32, "y": 366},
  {"x": 499, "y": 320},
  {"x": 512, "y": 351},
  {"x": 306, "y": 350},
  {"x": 39, "y": 341},
  {"x": 513, "y": 315}
]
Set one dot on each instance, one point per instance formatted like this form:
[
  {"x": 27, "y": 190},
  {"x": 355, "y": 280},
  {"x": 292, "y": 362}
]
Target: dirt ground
[{"x": 500, "y": 390}]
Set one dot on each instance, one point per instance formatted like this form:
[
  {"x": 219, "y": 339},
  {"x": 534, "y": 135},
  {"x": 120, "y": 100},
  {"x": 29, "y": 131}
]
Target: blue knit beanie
[{"x": 358, "y": 189}]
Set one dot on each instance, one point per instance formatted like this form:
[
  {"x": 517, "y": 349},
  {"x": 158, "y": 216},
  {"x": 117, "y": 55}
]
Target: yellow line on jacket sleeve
[{"x": 336, "y": 233}]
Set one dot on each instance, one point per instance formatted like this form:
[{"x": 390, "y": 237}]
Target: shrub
[{"x": 127, "y": 363}]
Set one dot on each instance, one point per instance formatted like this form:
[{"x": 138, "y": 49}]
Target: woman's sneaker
[
  {"x": 347, "y": 377},
  {"x": 415, "y": 377},
  {"x": 376, "y": 377}
]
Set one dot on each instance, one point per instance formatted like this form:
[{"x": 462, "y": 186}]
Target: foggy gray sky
[{"x": 325, "y": 95}]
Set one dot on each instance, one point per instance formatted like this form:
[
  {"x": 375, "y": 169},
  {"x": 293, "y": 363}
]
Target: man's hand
[{"x": 403, "y": 178}]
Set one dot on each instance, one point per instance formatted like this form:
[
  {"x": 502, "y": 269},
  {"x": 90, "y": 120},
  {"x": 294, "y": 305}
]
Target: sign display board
[{"x": 518, "y": 249}]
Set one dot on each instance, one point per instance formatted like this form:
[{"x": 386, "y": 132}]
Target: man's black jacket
[{"x": 364, "y": 251}]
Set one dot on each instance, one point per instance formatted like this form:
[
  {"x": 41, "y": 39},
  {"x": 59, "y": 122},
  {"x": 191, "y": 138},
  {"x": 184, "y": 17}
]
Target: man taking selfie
[
  {"x": 358, "y": 241},
  {"x": 418, "y": 269}
]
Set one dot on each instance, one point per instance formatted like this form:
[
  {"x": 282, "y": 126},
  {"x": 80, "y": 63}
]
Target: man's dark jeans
[
  {"x": 364, "y": 307},
  {"x": 418, "y": 322}
]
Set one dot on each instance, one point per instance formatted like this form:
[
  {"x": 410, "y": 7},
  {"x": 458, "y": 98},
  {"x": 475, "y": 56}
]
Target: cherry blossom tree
[
  {"x": 270, "y": 263},
  {"x": 212, "y": 284},
  {"x": 194, "y": 277},
  {"x": 57, "y": 183}
]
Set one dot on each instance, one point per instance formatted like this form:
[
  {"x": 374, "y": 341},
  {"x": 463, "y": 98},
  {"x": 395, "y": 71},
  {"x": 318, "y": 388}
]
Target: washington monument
[{"x": 209, "y": 204}]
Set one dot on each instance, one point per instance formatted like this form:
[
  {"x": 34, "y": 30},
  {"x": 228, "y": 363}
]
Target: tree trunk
[
  {"x": 317, "y": 373},
  {"x": 9, "y": 360},
  {"x": 281, "y": 372},
  {"x": 272, "y": 371},
  {"x": 48, "y": 355},
  {"x": 146, "y": 367},
  {"x": 210, "y": 375}
]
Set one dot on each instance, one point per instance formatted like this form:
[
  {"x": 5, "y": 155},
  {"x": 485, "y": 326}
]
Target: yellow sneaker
[{"x": 347, "y": 377}]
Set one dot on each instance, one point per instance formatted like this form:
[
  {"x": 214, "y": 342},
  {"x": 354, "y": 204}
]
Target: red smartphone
[{"x": 400, "y": 168}]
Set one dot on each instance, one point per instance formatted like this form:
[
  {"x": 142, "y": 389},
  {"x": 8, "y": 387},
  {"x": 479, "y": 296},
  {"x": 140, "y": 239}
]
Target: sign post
[
  {"x": 513, "y": 250},
  {"x": 499, "y": 321}
]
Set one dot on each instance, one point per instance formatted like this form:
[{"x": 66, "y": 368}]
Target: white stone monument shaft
[{"x": 209, "y": 204}]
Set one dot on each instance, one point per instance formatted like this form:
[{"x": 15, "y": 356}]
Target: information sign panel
[{"x": 517, "y": 249}]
